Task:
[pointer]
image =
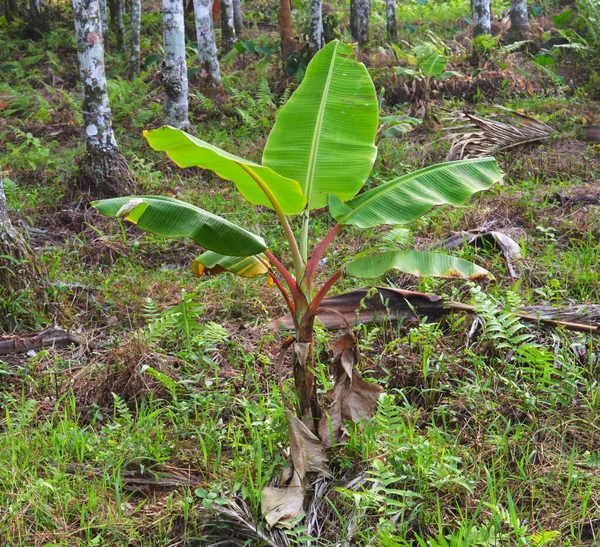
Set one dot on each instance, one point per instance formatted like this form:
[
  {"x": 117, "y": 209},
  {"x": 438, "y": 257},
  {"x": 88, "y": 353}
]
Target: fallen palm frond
[
  {"x": 235, "y": 525},
  {"x": 476, "y": 137},
  {"x": 381, "y": 304}
]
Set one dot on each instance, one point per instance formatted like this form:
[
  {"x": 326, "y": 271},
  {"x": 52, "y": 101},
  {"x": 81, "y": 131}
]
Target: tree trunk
[
  {"x": 519, "y": 18},
  {"x": 360, "y": 13},
  {"x": 316, "y": 40},
  {"x": 36, "y": 9},
  {"x": 174, "y": 68},
  {"x": 136, "y": 17},
  {"x": 104, "y": 171},
  {"x": 481, "y": 17},
  {"x": 210, "y": 71},
  {"x": 238, "y": 22},
  {"x": 286, "y": 29},
  {"x": 12, "y": 9},
  {"x": 120, "y": 6},
  {"x": 227, "y": 29},
  {"x": 104, "y": 23},
  {"x": 391, "y": 25}
]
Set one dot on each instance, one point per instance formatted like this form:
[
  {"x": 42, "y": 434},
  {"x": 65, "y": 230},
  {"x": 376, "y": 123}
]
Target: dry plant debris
[{"x": 473, "y": 136}]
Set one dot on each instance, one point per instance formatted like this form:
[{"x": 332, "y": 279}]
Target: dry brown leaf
[
  {"x": 365, "y": 306},
  {"x": 283, "y": 505},
  {"x": 509, "y": 247},
  {"x": 306, "y": 450},
  {"x": 353, "y": 398}
]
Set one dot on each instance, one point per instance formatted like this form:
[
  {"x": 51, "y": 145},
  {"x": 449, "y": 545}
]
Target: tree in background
[
  {"x": 173, "y": 72},
  {"x": 238, "y": 22},
  {"x": 286, "y": 29},
  {"x": 519, "y": 18},
  {"x": 316, "y": 38},
  {"x": 104, "y": 22},
  {"x": 390, "y": 17},
  {"x": 104, "y": 171},
  {"x": 11, "y": 9},
  {"x": 210, "y": 70},
  {"x": 360, "y": 13},
  {"x": 482, "y": 23},
  {"x": 136, "y": 20},
  {"x": 117, "y": 7},
  {"x": 228, "y": 37}
]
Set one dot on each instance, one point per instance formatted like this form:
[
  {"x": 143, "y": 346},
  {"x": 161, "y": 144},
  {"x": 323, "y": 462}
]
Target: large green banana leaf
[
  {"x": 173, "y": 218},
  {"x": 420, "y": 263},
  {"x": 409, "y": 197},
  {"x": 324, "y": 135},
  {"x": 188, "y": 151},
  {"x": 244, "y": 266}
]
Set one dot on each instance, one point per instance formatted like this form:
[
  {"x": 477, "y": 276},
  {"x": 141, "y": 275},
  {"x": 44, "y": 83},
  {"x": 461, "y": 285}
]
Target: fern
[
  {"x": 503, "y": 327},
  {"x": 122, "y": 413},
  {"x": 264, "y": 96},
  {"x": 509, "y": 48}
]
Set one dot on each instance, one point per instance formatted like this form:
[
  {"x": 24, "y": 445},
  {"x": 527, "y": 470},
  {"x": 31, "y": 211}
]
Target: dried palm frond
[
  {"x": 235, "y": 525},
  {"x": 476, "y": 137}
]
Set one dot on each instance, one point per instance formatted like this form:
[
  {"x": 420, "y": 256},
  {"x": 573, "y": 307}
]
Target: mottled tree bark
[
  {"x": 519, "y": 18},
  {"x": 316, "y": 40},
  {"x": 136, "y": 18},
  {"x": 286, "y": 29},
  {"x": 210, "y": 71},
  {"x": 174, "y": 68},
  {"x": 104, "y": 171},
  {"x": 104, "y": 22},
  {"x": 360, "y": 13},
  {"x": 390, "y": 18},
  {"x": 238, "y": 22},
  {"x": 482, "y": 23},
  {"x": 227, "y": 29}
]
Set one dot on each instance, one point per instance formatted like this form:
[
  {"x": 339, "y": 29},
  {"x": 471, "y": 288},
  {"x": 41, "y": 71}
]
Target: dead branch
[{"x": 50, "y": 338}]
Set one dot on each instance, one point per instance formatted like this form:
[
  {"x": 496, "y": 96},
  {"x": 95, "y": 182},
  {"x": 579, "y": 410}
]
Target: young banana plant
[{"x": 319, "y": 154}]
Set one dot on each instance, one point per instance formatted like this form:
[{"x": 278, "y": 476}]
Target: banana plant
[{"x": 319, "y": 154}]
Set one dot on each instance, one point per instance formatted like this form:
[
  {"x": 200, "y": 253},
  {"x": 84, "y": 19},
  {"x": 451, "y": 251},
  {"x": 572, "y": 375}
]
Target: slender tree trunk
[
  {"x": 481, "y": 17},
  {"x": 360, "y": 13},
  {"x": 136, "y": 18},
  {"x": 227, "y": 29},
  {"x": 316, "y": 39},
  {"x": 36, "y": 8},
  {"x": 104, "y": 171},
  {"x": 210, "y": 71},
  {"x": 104, "y": 22},
  {"x": 238, "y": 22},
  {"x": 391, "y": 25},
  {"x": 120, "y": 6},
  {"x": 519, "y": 18},
  {"x": 286, "y": 29},
  {"x": 12, "y": 9},
  {"x": 174, "y": 68}
]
